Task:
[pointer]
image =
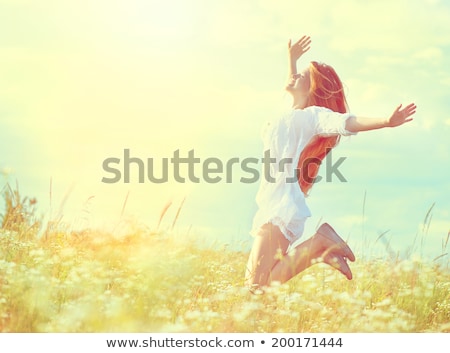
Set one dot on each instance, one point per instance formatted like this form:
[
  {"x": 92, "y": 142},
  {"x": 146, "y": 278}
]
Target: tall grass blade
[
  {"x": 124, "y": 205},
  {"x": 446, "y": 241},
  {"x": 178, "y": 213},
  {"x": 439, "y": 257},
  {"x": 382, "y": 235},
  {"x": 163, "y": 212}
]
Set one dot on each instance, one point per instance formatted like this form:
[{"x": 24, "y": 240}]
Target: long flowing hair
[{"x": 326, "y": 90}]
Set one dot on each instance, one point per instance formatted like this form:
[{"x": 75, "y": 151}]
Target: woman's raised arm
[
  {"x": 296, "y": 51},
  {"x": 399, "y": 117}
]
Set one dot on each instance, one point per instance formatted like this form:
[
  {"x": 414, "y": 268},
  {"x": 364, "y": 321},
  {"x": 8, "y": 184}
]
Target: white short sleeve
[{"x": 327, "y": 122}]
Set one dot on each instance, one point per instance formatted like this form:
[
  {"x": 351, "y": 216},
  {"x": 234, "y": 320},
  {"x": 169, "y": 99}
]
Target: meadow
[{"x": 59, "y": 280}]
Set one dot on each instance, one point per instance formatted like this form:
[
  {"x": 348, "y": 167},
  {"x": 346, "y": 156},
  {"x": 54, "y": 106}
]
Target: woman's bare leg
[
  {"x": 270, "y": 262},
  {"x": 304, "y": 255},
  {"x": 268, "y": 247}
]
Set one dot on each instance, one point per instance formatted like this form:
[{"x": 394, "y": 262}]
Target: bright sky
[{"x": 80, "y": 81}]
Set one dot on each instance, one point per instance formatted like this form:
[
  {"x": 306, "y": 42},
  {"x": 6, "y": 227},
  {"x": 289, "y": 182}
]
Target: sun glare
[{"x": 159, "y": 18}]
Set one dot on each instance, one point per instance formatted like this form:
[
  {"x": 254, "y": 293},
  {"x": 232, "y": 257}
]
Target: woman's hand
[
  {"x": 398, "y": 117},
  {"x": 401, "y": 116},
  {"x": 299, "y": 48}
]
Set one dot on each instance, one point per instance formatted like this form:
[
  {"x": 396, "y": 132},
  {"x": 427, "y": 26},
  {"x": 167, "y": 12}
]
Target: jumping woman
[{"x": 303, "y": 137}]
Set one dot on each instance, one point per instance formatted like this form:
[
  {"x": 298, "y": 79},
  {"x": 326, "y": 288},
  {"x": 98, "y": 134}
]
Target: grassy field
[{"x": 90, "y": 281}]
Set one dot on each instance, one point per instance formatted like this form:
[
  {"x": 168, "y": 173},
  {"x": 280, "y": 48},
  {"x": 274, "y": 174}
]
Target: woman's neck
[{"x": 299, "y": 102}]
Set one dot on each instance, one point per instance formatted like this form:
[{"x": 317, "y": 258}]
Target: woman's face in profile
[{"x": 300, "y": 83}]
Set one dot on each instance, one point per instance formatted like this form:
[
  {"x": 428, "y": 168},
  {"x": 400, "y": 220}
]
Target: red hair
[{"x": 326, "y": 90}]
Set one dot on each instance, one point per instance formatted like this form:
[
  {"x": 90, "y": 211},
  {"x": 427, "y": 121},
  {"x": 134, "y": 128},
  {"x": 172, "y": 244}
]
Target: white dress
[{"x": 279, "y": 199}]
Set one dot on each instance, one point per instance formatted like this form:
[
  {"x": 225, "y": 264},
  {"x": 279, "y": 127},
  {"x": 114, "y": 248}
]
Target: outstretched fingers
[
  {"x": 303, "y": 44},
  {"x": 304, "y": 40},
  {"x": 407, "y": 112},
  {"x": 402, "y": 115}
]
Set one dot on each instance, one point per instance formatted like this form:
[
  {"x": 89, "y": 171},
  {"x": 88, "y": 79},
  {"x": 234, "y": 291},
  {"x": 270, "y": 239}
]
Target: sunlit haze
[{"x": 83, "y": 81}]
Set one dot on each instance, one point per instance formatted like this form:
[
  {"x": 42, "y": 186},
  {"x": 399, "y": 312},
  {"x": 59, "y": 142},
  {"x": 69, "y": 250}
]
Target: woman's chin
[{"x": 289, "y": 87}]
